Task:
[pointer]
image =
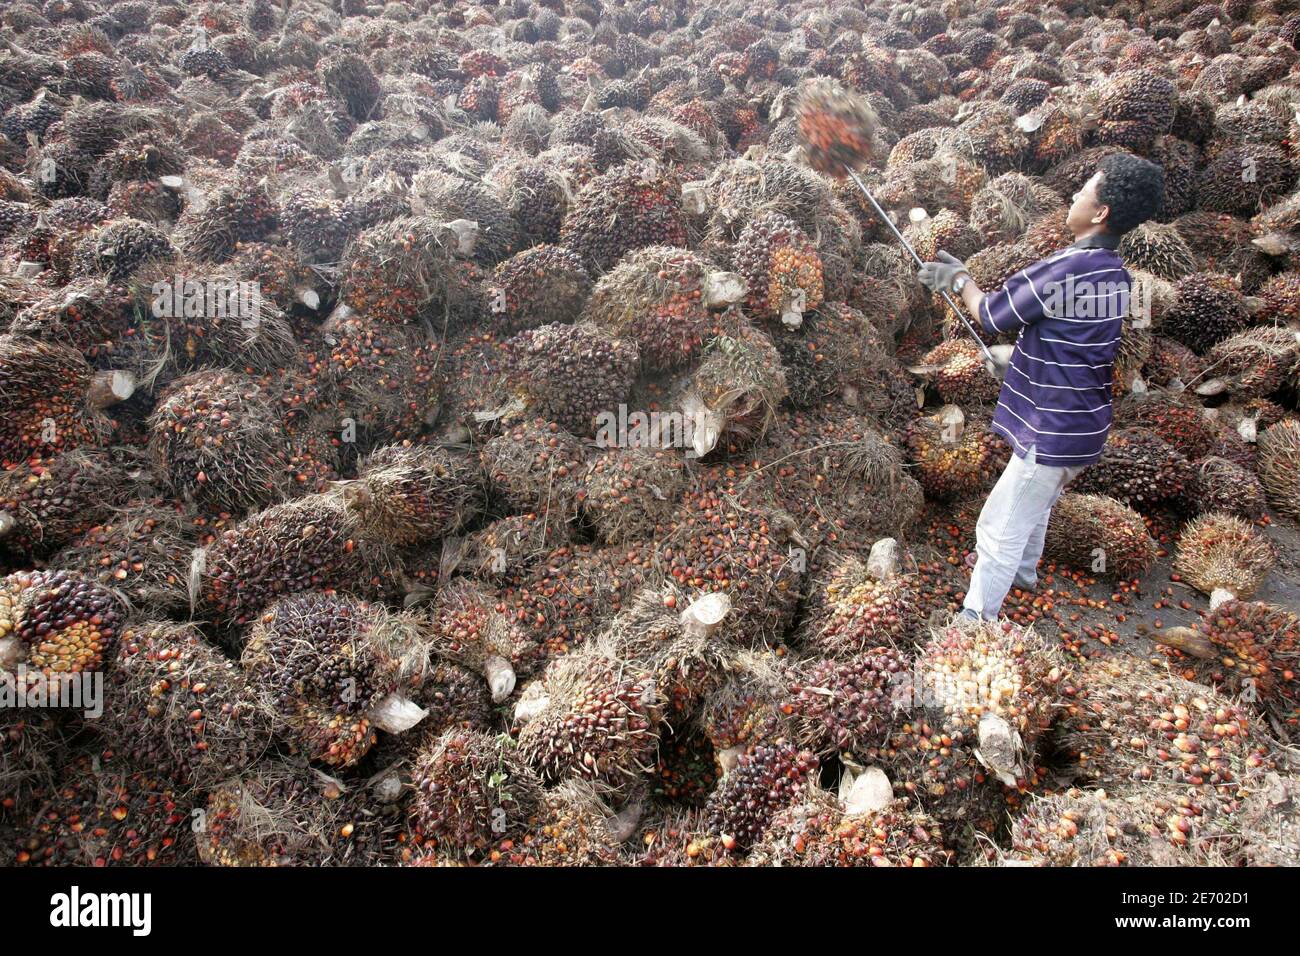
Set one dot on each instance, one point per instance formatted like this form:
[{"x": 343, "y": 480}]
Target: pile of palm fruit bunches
[{"x": 454, "y": 434}]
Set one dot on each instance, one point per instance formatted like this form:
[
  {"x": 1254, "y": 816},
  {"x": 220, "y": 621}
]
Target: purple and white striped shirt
[{"x": 1070, "y": 309}]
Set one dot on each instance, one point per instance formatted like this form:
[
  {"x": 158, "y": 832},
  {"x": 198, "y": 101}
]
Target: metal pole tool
[{"x": 961, "y": 314}]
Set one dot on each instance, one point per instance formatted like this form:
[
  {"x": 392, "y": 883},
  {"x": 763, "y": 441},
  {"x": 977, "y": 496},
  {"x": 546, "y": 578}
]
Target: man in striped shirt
[{"x": 1055, "y": 405}]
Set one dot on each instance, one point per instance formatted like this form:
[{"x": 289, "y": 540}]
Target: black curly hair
[{"x": 1133, "y": 189}]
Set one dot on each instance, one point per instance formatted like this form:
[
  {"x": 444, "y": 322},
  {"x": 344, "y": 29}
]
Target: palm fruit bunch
[
  {"x": 741, "y": 190},
  {"x": 1131, "y": 354},
  {"x": 1135, "y": 106},
  {"x": 745, "y": 705},
  {"x": 473, "y": 791},
  {"x": 469, "y": 626},
  {"x": 766, "y": 780},
  {"x": 318, "y": 451},
  {"x": 945, "y": 231},
  {"x": 143, "y": 156},
  {"x": 308, "y": 544},
  {"x": 591, "y": 715},
  {"x": 1240, "y": 180},
  {"x": 1260, "y": 413},
  {"x": 837, "y": 127},
  {"x": 1099, "y": 533},
  {"x": 1098, "y": 828},
  {"x": 329, "y": 665},
  {"x": 660, "y": 297},
  {"x": 398, "y": 271},
  {"x": 536, "y": 466},
  {"x": 235, "y": 209},
  {"x": 1191, "y": 753},
  {"x": 1208, "y": 309},
  {"x": 448, "y": 197},
  {"x": 146, "y": 200},
  {"x": 1280, "y": 294},
  {"x": 1279, "y": 465},
  {"x": 43, "y": 406},
  {"x": 1253, "y": 364},
  {"x": 955, "y": 454},
  {"x": 217, "y": 440},
  {"x": 1249, "y": 648},
  {"x": 315, "y": 223},
  {"x": 32, "y": 742},
  {"x": 1222, "y": 243},
  {"x": 959, "y": 373},
  {"x": 348, "y": 76},
  {"x": 730, "y": 399},
  {"x": 854, "y": 605},
  {"x": 55, "y": 624},
  {"x": 15, "y": 217},
  {"x": 674, "y": 640},
  {"x": 1171, "y": 364},
  {"x": 109, "y": 814},
  {"x": 573, "y": 375},
  {"x": 836, "y": 352},
  {"x": 1180, "y": 161},
  {"x": 678, "y": 838},
  {"x": 512, "y": 544},
  {"x": 574, "y": 827},
  {"x": 729, "y": 537},
  {"x": 405, "y": 494},
  {"x": 46, "y": 503},
  {"x": 1152, "y": 297},
  {"x": 860, "y": 471},
  {"x": 571, "y": 594},
  {"x": 819, "y": 831},
  {"x": 536, "y": 191},
  {"x": 781, "y": 268},
  {"x": 630, "y": 207},
  {"x": 1138, "y": 468},
  {"x": 235, "y": 327},
  {"x": 980, "y": 698},
  {"x": 274, "y": 814},
  {"x": 1180, "y": 422},
  {"x": 141, "y": 550},
  {"x": 846, "y": 702},
  {"x": 541, "y": 285},
  {"x": 946, "y": 179},
  {"x": 382, "y": 376},
  {"x": 480, "y": 98},
  {"x": 1159, "y": 249},
  {"x": 1225, "y": 486},
  {"x": 203, "y": 61},
  {"x": 176, "y": 702},
  {"x": 281, "y": 278},
  {"x": 120, "y": 249},
  {"x": 1004, "y": 208},
  {"x": 453, "y": 697},
  {"x": 1223, "y": 556},
  {"x": 631, "y": 491}
]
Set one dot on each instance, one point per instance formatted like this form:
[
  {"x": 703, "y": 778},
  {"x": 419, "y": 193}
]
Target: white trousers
[{"x": 1011, "y": 530}]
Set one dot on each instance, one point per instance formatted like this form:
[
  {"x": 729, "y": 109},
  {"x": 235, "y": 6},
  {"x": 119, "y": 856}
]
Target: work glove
[
  {"x": 1001, "y": 360},
  {"x": 939, "y": 276}
]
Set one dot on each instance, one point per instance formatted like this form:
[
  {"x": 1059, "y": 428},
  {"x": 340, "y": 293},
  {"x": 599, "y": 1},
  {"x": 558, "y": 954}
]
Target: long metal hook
[{"x": 908, "y": 246}]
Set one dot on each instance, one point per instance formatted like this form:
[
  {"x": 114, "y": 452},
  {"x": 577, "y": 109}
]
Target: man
[{"x": 1055, "y": 405}]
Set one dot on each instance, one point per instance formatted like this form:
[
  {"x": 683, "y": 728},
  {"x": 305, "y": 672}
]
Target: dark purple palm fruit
[{"x": 574, "y": 375}]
